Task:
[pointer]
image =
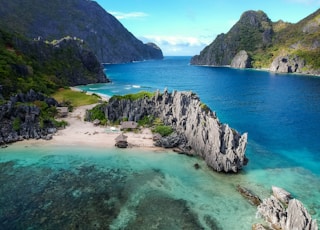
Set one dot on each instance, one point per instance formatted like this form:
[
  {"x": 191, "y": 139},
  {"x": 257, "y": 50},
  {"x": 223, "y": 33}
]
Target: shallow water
[
  {"x": 83, "y": 188},
  {"x": 63, "y": 187}
]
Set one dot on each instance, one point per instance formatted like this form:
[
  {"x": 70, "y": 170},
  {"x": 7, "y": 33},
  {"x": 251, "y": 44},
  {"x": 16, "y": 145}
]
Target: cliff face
[
  {"x": 103, "y": 33},
  {"x": 267, "y": 44},
  {"x": 198, "y": 129}
]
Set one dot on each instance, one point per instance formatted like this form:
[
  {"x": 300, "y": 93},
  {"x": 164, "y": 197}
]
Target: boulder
[
  {"x": 287, "y": 64},
  {"x": 241, "y": 60}
]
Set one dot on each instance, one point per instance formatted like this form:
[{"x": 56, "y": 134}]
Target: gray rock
[
  {"x": 287, "y": 64},
  {"x": 220, "y": 146},
  {"x": 21, "y": 120},
  {"x": 273, "y": 212},
  {"x": 281, "y": 194},
  {"x": 298, "y": 217},
  {"x": 294, "y": 217},
  {"x": 241, "y": 60}
]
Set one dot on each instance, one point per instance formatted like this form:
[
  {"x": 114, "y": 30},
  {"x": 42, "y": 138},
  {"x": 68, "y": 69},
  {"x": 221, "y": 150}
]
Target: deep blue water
[
  {"x": 69, "y": 187},
  {"x": 279, "y": 111}
]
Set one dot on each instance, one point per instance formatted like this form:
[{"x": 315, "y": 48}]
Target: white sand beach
[{"x": 82, "y": 133}]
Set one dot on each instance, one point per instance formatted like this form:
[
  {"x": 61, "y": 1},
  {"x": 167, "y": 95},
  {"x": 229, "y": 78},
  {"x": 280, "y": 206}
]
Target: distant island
[{"x": 257, "y": 42}]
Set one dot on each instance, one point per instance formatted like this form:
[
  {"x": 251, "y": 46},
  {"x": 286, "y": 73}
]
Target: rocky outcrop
[
  {"x": 249, "y": 195},
  {"x": 197, "y": 129},
  {"x": 282, "y": 212},
  {"x": 287, "y": 64},
  {"x": 20, "y": 118},
  {"x": 110, "y": 41},
  {"x": 241, "y": 60}
]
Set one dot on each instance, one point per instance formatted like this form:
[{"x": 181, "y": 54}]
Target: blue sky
[{"x": 185, "y": 27}]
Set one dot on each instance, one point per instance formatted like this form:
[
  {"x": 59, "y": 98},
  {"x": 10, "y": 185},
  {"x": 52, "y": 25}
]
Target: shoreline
[
  {"x": 81, "y": 133},
  {"x": 260, "y": 69}
]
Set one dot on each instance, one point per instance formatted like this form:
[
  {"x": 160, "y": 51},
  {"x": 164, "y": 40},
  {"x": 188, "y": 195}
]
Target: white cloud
[
  {"x": 122, "y": 15},
  {"x": 177, "y": 45},
  {"x": 175, "y": 40}
]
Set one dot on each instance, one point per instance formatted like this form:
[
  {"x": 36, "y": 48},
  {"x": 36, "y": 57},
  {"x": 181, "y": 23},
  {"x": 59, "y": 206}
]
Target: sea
[{"x": 64, "y": 187}]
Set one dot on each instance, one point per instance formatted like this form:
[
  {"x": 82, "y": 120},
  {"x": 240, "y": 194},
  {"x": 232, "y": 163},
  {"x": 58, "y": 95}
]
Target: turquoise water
[{"x": 63, "y": 187}]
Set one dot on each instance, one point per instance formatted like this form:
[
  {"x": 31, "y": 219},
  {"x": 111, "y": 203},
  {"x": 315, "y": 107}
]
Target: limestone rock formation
[
  {"x": 19, "y": 120},
  {"x": 241, "y": 60},
  {"x": 198, "y": 129},
  {"x": 282, "y": 195},
  {"x": 298, "y": 217},
  {"x": 295, "y": 216},
  {"x": 287, "y": 64}
]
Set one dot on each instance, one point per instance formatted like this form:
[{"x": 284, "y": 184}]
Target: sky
[{"x": 185, "y": 27}]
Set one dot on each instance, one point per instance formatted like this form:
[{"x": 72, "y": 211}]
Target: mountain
[
  {"x": 45, "y": 66},
  {"x": 255, "y": 41},
  {"x": 84, "y": 19}
]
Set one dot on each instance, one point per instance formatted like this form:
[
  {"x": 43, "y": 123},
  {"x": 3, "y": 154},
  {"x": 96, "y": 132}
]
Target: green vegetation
[
  {"x": 75, "y": 98},
  {"x": 133, "y": 97},
  {"x": 97, "y": 112},
  {"x": 26, "y": 64},
  {"x": 204, "y": 107},
  {"x": 16, "y": 124},
  {"x": 146, "y": 121},
  {"x": 163, "y": 130},
  {"x": 265, "y": 40}
]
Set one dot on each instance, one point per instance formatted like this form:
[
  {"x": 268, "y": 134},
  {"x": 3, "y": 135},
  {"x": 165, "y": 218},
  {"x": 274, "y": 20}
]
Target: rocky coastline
[
  {"x": 20, "y": 118},
  {"x": 197, "y": 129}
]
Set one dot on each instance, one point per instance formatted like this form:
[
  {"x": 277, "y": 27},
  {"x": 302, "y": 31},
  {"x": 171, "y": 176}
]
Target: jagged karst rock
[
  {"x": 298, "y": 217},
  {"x": 197, "y": 127},
  {"x": 295, "y": 216},
  {"x": 273, "y": 212},
  {"x": 287, "y": 64},
  {"x": 241, "y": 60},
  {"x": 19, "y": 120}
]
